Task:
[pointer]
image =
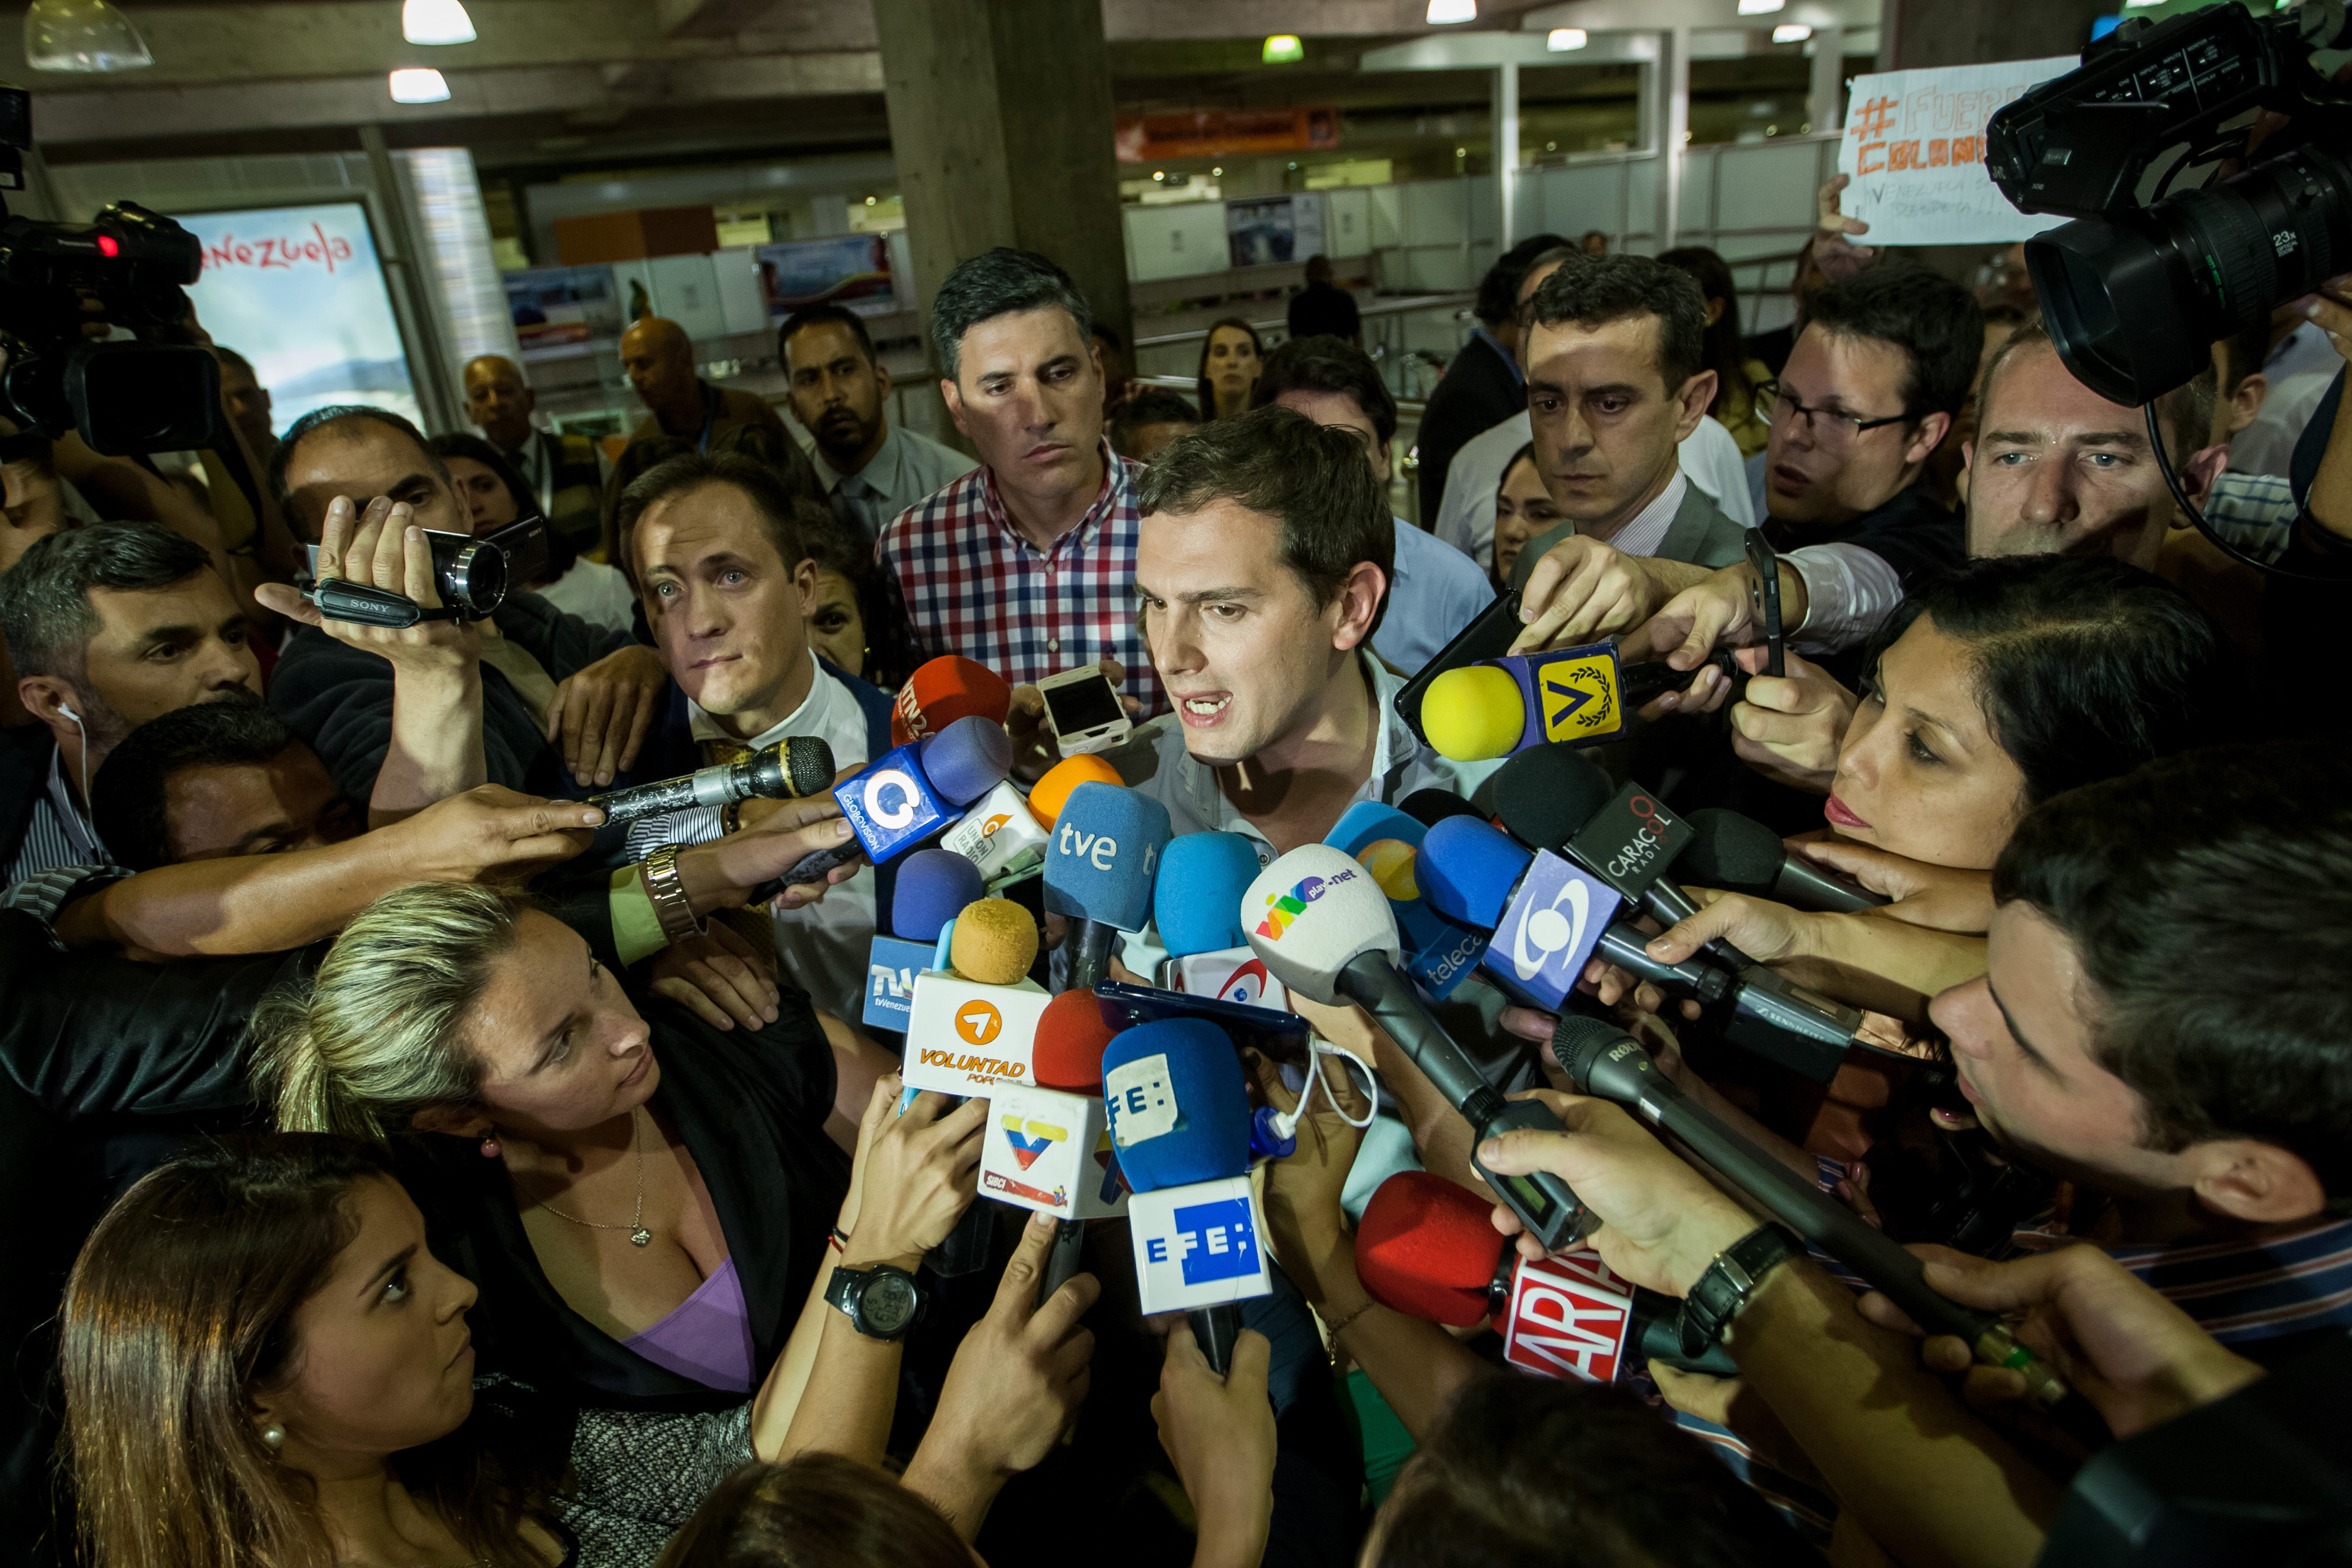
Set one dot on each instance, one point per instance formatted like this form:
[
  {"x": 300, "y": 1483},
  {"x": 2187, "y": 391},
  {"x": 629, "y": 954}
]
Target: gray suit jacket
[{"x": 1700, "y": 534}]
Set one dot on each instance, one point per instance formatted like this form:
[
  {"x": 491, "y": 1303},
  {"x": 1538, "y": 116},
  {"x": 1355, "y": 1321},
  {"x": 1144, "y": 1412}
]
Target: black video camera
[
  {"x": 123, "y": 398},
  {"x": 2136, "y": 289},
  {"x": 473, "y": 575}
]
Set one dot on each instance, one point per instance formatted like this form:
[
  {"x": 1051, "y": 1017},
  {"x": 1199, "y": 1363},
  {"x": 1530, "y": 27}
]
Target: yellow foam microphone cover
[
  {"x": 1474, "y": 713},
  {"x": 994, "y": 942},
  {"x": 1054, "y": 787}
]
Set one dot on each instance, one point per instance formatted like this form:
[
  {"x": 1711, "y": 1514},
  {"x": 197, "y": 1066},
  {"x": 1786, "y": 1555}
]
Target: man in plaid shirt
[{"x": 1026, "y": 564}]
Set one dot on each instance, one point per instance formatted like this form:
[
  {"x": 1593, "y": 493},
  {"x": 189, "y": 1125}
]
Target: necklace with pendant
[{"x": 638, "y": 1235}]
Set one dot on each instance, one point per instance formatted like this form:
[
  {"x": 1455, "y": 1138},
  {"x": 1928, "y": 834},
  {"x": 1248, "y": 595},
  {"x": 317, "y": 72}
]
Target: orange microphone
[
  {"x": 1046, "y": 795},
  {"x": 942, "y": 691}
]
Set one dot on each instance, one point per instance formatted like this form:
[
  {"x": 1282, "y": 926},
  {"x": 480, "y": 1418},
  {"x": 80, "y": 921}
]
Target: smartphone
[
  {"x": 1084, "y": 708},
  {"x": 1488, "y": 636},
  {"x": 1281, "y": 1037},
  {"x": 1765, "y": 597}
]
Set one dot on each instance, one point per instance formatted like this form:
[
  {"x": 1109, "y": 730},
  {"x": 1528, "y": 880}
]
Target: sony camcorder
[
  {"x": 133, "y": 265},
  {"x": 2136, "y": 289},
  {"x": 472, "y": 574}
]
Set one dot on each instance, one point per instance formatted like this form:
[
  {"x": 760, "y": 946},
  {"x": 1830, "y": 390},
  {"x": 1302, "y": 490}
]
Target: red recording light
[{"x": 106, "y": 246}]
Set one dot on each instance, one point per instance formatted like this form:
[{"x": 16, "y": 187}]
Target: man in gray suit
[{"x": 1614, "y": 383}]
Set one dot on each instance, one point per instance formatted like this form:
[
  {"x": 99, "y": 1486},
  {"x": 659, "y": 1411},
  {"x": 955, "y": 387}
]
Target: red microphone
[
  {"x": 1429, "y": 1249},
  {"x": 942, "y": 691},
  {"x": 1071, "y": 1037}
]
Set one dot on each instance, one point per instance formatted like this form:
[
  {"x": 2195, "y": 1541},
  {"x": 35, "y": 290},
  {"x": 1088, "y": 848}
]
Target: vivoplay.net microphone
[
  {"x": 1180, "y": 1118},
  {"x": 1108, "y": 840},
  {"x": 1740, "y": 855},
  {"x": 1606, "y": 1063},
  {"x": 1548, "y": 914},
  {"x": 1323, "y": 926},
  {"x": 943, "y": 690},
  {"x": 909, "y": 793},
  {"x": 1429, "y": 1249},
  {"x": 790, "y": 769},
  {"x": 1548, "y": 797}
]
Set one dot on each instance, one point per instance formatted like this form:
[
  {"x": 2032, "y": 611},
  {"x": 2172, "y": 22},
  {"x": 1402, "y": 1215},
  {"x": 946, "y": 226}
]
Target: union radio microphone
[
  {"x": 1323, "y": 927},
  {"x": 1740, "y": 855},
  {"x": 943, "y": 690},
  {"x": 794, "y": 767}
]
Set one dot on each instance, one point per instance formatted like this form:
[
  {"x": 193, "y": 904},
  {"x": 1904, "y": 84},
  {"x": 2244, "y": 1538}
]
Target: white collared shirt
[{"x": 1646, "y": 529}]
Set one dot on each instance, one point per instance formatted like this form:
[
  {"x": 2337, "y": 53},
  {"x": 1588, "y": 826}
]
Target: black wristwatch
[
  {"x": 1719, "y": 1294},
  {"x": 883, "y": 1303}
]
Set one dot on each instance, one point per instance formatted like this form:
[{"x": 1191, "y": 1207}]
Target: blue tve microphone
[
  {"x": 1197, "y": 900},
  {"x": 1179, "y": 1119},
  {"x": 1436, "y": 952},
  {"x": 1547, "y": 913},
  {"x": 1099, "y": 871},
  {"x": 913, "y": 791}
]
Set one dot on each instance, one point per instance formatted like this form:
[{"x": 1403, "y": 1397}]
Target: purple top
[{"x": 707, "y": 1337}]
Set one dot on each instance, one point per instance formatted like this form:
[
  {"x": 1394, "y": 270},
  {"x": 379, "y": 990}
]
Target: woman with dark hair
[
  {"x": 1523, "y": 509},
  {"x": 853, "y": 619},
  {"x": 495, "y": 496},
  {"x": 263, "y": 1363},
  {"x": 817, "y": 1511},
  {"x": 1230, "y": 357},
  {"x": 1736, "y": 376}
]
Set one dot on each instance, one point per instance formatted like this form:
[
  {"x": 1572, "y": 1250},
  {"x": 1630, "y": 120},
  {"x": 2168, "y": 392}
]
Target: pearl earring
[
  {"x": 490, "y": 1149},
  {"x": 273, "y": 1437}
]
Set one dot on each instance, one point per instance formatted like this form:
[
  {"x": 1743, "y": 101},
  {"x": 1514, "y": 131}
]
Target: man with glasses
[{"x": 1615, "y": 381}]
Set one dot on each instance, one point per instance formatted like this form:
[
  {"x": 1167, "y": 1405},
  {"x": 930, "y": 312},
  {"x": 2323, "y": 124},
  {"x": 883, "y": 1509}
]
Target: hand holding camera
[{"x": 380, "y": 551}]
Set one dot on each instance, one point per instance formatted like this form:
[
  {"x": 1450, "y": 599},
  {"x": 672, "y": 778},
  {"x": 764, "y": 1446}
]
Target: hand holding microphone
[{"x": 789, "y": 769}]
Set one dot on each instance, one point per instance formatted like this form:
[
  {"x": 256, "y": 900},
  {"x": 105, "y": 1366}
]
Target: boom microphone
[
  {"x": 789, "y": 769},
  {"x": 1098, "y": 871},
  {"x": 1322, "y": 926},
  {"x": 1606, "y": 1063},
  {"x": 942, "y": 691},
  {"x": 1180, "y": 1118},
  {"x": 1429, "y": 1249},
  {"x": 1740, "y": 855}
]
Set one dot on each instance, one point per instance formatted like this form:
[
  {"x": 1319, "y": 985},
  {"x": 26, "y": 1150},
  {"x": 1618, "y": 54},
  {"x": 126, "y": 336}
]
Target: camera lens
[
  {"x": 476, "y": 581},
  {"x": 2134, "y": 302}
]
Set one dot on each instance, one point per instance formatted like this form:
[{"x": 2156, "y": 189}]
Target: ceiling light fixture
[
  {"x": 1791, "y": 33},
  {"x": 1560, "y": 38},
  {"x": 418, "y": 84},
  {"x": 1282, "y": 49},
  {"x": 82, "y": 36},
  {"x": 1760, "y": 7},
  {"x": 1442, "y": 12},
  {"x": 436, "y": 22}
]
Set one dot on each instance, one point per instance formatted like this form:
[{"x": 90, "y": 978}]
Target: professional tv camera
[
  {"x": 152, "y": 395},
  {"x": 2136, "y": 289}
]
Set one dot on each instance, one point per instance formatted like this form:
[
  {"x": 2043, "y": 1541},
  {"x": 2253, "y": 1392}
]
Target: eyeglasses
[{"x": 1832, "y": 427}]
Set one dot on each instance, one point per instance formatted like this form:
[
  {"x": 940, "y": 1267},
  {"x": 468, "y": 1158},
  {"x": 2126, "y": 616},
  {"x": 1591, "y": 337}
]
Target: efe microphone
[
  {"x": 792, "y": 768},
  {"x": 1323, "y": 926}
]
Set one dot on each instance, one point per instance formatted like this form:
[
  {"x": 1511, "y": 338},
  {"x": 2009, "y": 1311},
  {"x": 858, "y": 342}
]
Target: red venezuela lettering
[{"x": 232, "y": 251}]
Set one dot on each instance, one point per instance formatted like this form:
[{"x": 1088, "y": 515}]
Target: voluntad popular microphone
[{"x": 789, "y": 769}]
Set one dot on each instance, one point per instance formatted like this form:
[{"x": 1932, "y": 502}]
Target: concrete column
[
  {"x": 1001, "y": 127},
  {"x": 1669, "y": 127},
  {"x": 1507, "y": 153},
  {"x": 1825, "y": 104}
]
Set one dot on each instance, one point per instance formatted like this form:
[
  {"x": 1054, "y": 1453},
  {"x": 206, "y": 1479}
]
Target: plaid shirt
[{"x": 973, "y": 586}]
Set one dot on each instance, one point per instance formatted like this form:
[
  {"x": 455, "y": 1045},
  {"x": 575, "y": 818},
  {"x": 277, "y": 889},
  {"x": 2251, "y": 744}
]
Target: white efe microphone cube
[
  {"x": 1233, "y": 975},
  {"x": 1046, "y": 1150},
  {"x": 966, "y": 1037},
  {"x": 1198, "y": 1245},
  {"x": 998, "y": 834}
]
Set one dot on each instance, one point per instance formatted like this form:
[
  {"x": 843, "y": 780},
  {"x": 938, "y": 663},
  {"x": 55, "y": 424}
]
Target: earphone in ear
[{"x": 65, "y": 710}]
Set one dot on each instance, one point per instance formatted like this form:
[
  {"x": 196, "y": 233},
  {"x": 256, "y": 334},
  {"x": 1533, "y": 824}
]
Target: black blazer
[
  {"x": 1478, "y": 391},
  {"x": 24, "y": 752}
]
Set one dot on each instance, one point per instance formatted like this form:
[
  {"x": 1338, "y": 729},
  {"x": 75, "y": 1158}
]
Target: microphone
[
  {"x": 1322, "y": 926},
  {"x": 1546, "y": 913},
  {"x": 994, "y": 942},
  {"x": 909, "y": 793},
  {"x": 1549, "y": 796},
  {"x": 1049, "y": 1147},
  {"x": 1389, "y": 843},
  {"x": 1740, "y": 855},
  {"x": 1052, "y": 790},
  {"x": 1098, "y": 871},
  {"x": 932, "y": 885},
  {"x": 998, "y": 835},
  {"x": 943, "y": 690},
  {"x": 1604, "y": 1061},
  {"x": 789, "y": 769},
  {"x": 1429, "y": 1249},
  {"x": 1180, "y": 1118},
  {"x": 1195, "y": 903},
  {"x": 1496, "y": 707},
  {"x": 1432, "y": 806}
]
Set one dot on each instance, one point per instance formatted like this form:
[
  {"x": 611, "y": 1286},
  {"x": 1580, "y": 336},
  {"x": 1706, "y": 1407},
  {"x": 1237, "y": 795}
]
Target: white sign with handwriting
[{"x": 1914, "y": 150}]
